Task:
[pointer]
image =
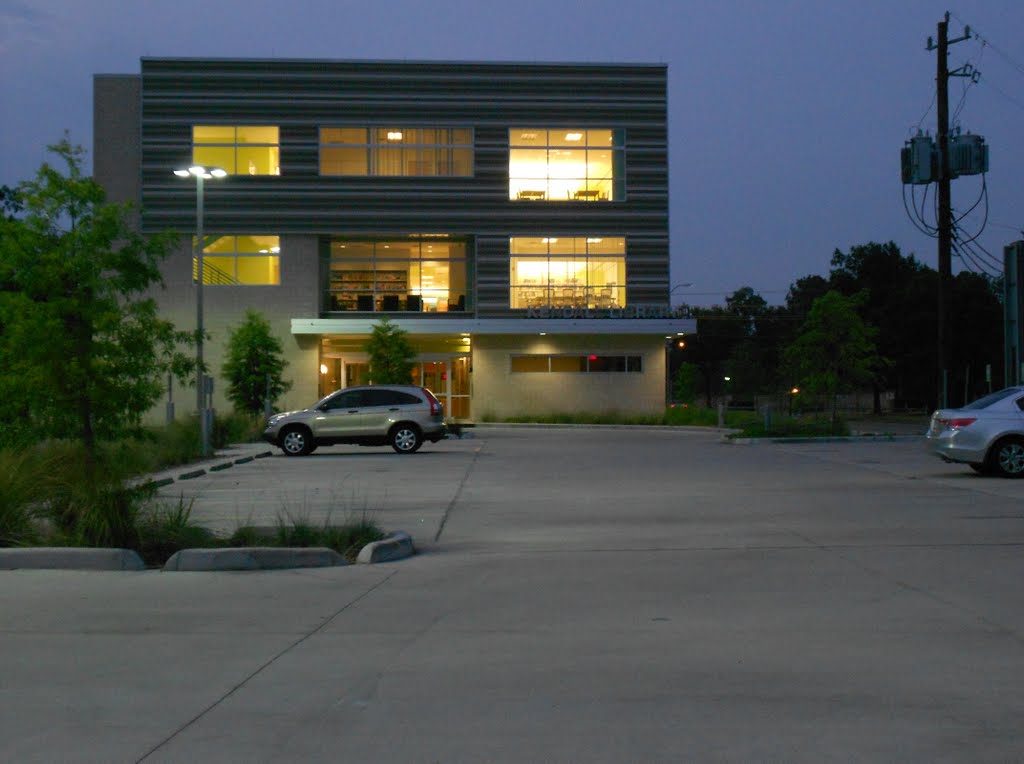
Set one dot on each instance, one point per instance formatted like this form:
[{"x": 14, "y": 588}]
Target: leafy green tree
[
  {"x": 686, "y": 383},
  {"x": 835, "y": 352},
  {"x": 897, "y": 303},
  {"x": 802, "y": 294},
  {"x": 84, "y": 354},
  {"x": 391, "y": 354},
  {"x": 254, "y": 367},
  {"x": 977, "y": 335}
]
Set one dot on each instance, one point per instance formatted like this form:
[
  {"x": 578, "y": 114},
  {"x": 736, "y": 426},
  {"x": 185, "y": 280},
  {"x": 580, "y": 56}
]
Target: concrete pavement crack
[
  {"x": 458, "y": 492},
  {"x": 263, "y": 668},
  {"x": 989, "y": 623}
]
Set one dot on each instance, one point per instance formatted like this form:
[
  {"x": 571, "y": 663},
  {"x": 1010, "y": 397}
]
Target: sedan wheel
[
  {"x": 406, "y": 439},
  {"x": 1008, "y": 457}
]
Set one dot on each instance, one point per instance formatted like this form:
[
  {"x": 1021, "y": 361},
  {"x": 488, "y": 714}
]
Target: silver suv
[{"x": 400, "y": 415}]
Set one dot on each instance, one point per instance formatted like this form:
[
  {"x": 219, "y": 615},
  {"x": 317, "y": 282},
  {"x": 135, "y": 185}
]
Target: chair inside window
[
  {"x": 364, "y": 302},
  {"x": 389, "y": 302},
  {"x": 414, "y": 302}
]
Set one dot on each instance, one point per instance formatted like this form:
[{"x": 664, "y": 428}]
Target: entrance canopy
[{"x": 419, "y": 326}]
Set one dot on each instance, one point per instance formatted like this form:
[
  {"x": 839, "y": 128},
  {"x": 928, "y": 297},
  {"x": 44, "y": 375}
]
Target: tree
[
  {"x": 391, "y": 354},
  {"x": 977, "y": 335},
  {"x": 84, "y": 355},
  {"x": 835, "y": 352},
  {"x": 900, "y": 305},
  {"x": 254, "y": 366}
]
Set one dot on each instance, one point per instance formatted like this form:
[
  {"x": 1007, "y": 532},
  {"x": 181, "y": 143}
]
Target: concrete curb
[
  {"x": 253, "y": 558},
  {"x": 69, "y": 558},
  {"x": 828, "y": 439},
  {"x": 397, "y": 546},
  {"x": 682, "y": 428},
  {"x": 193, "y": 471}
]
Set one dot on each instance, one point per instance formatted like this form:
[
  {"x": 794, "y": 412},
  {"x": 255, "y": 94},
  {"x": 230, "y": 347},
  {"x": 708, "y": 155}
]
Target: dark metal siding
[{"x": 301, "y": 96}]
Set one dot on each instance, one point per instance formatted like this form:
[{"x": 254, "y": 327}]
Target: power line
[
  {"x": 925, "y": 229},
  {"x": 970, "y": 262},
  {"x": 987, "y": 43},
  {"x": 982, "y": 195}
]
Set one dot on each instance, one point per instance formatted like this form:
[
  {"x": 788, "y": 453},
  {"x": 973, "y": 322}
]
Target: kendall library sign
[{"x": 629, "y": 311}]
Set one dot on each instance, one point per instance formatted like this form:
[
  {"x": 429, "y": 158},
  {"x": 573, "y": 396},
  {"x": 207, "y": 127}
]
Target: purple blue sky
[{"x": 786, "y": 116}]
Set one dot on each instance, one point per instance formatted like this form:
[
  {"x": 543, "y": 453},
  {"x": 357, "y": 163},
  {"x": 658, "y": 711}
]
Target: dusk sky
[{"x": 786, "y": 116}]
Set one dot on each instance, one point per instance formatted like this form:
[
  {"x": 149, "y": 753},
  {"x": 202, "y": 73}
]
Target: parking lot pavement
[
  {"x": 408, "y": 492},
  {"x": 581, "y": 595}
]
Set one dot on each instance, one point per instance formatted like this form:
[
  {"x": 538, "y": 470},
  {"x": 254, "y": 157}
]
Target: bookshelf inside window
[{"x": 365, "y": 290}]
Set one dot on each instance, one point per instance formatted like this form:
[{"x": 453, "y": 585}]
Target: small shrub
[
  {"x": 795, "y": 427},
  {"x": 347, "y": 540},
  {"x": 23, "y": 479},
  {"x": 248, "y": 535},
  {"x": 236, "y": 427},
  {"x": 301, "y": 534},
  {"x": 169, "y": 529}
]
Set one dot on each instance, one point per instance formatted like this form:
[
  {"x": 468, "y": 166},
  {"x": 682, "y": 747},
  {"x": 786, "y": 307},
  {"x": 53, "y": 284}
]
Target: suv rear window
[{"x": 388, "y": 398}]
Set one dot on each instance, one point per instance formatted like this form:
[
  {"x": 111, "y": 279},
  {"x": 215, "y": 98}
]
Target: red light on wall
[{"x": 593, "y": 358}]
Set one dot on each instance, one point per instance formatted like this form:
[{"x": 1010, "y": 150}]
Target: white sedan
[{"x": 987, "y": 434}]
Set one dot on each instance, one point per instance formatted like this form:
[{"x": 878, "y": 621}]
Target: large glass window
[
  {"x": 407, "y": 151},
  {"x": 241, "y": 150},
  {"x": 568, "y": 272},
  {"x": 418, "y": 274},
  {"x": 566, "y": 165},
  {"x": 240, "y": 260}
]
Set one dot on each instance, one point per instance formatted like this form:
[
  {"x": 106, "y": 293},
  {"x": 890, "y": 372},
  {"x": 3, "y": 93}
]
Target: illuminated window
[
  {"x": 420, "y": 274},
  {"x": 575, "y": 364},
  {"x": 405, "y": 151},
  {"x": 240, "y": 260},
  {"x": 241, "y": 150},
  {"x": 566, "y": 165},
  {"x": 568, "y": 272}
]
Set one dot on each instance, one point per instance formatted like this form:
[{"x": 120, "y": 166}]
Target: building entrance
[{"x": 447, "y": 377}]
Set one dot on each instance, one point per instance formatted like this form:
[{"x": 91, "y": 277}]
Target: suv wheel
[
  {"x": 406, "y": 438},
  {"x": 296, "y": 441}
]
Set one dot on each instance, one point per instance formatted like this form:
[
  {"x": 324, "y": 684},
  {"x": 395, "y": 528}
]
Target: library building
[{"x": 511, "y": 218}]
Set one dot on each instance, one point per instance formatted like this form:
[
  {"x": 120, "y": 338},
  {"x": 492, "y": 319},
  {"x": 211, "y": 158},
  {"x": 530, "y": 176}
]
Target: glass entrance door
[{"x": 449, "y": 381}]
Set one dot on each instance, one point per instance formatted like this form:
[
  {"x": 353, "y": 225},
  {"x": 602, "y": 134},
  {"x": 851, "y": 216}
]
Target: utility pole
[
  {"x": 945, "y": 211},
  {"x": 945, "y": 221}
]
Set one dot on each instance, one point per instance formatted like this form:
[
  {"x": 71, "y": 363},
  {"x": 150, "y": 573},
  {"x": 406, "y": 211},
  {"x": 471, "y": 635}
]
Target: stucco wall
[
  {"x": 224, "y": 308},
  {"x": 499, "y": 393}
]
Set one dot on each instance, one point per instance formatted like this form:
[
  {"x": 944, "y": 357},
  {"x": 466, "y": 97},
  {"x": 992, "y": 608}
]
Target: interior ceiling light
[
  {"x": 574, "y": 136},
  {"x": 394, "y": 135}
]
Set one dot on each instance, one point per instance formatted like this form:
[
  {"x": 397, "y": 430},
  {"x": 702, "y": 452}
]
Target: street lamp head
[{"x": 201, "y": 171}]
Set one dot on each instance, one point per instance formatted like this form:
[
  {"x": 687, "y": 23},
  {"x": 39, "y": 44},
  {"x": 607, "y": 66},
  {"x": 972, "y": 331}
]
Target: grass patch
[
  {"x": 794, "y": 427},
  {"x": 675, "y": 416},
  {"x": 346, "y": 538},
  {"x": 169, "y": 529},
  {"x": 51, "y": 495}
]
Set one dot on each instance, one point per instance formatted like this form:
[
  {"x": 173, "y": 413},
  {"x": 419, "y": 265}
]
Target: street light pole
[
  {"x": 204, "y": 434},
  {"x": 201, "y": 174}
]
